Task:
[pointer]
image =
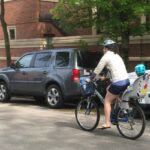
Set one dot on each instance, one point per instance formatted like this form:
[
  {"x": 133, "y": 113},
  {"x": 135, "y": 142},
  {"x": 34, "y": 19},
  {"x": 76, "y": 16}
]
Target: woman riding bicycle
[{"x": 119, "y": 77}]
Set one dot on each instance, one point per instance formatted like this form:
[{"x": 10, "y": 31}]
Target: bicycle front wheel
[
  {"x": 87, "y": 114},
  {"x": 131, "y": 121}
]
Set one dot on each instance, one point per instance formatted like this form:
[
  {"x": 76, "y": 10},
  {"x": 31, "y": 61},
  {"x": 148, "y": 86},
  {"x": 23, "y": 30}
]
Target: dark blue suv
[{"x": 50, "y": 75}]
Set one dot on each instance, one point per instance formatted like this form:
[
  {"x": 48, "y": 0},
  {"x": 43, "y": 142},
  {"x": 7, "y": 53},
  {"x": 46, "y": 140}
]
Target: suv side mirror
[{"x": 12, "y": 65}]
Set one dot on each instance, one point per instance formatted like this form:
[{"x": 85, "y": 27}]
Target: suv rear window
[
  {"x": 62, "y": 59},
  {"x": 88, "y": 59}
]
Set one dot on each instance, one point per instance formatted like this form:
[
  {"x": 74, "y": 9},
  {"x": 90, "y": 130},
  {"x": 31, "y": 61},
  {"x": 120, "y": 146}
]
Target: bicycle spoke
[{"x": 87, "y": 115}]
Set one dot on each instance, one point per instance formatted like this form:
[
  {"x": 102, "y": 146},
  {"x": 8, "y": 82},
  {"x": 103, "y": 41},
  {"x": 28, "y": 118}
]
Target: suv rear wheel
[
  {"x": 54, "y": 97},
  {"x": 4, "y": 95}
]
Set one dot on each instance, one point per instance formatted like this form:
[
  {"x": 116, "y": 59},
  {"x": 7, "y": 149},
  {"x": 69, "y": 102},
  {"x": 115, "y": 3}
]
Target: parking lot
[{"x": 26, "y": 125}]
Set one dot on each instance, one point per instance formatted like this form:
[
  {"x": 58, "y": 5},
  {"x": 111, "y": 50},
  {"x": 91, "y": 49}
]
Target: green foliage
[
  {"x": 83, "y": 45},
  {"x": 110, "y": 17},
  {"x": 73, "y": 14}
]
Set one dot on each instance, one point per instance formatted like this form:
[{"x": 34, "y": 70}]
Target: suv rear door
[
  {"x": 87, "y": 60},
  {"x": 62, "y": 69}
]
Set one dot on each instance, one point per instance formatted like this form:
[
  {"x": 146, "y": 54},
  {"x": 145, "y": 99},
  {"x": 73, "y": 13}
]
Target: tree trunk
[
  {"x": 125, "y": 47},
  {"x": 6, "y": 37}
]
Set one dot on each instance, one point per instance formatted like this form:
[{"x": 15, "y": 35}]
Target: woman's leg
[{"x": 107, "y": 107}]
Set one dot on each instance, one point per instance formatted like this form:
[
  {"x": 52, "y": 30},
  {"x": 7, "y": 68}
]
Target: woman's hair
[{"x": 113, "y": 47}]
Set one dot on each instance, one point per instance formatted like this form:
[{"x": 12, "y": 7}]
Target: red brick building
[
  {"x": 30, "y": 20},
  {"x": 31, "y": 27}
]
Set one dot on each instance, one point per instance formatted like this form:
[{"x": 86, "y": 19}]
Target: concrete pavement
[{"x": 25, "y": 125}]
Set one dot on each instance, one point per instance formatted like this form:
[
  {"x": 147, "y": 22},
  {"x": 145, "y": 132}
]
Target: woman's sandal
[{"x": 103, "y": 127}]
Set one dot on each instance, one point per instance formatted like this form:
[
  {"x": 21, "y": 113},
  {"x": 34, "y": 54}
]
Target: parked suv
[{"x": 52, "y": 75}]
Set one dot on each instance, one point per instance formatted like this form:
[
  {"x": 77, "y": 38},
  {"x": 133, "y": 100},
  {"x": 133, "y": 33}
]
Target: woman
[{"x": 119, "y": 77}]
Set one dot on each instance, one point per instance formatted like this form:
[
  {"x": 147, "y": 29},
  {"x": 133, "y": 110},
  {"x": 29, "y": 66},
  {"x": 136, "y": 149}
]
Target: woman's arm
[{"x": 102, "y": 63}]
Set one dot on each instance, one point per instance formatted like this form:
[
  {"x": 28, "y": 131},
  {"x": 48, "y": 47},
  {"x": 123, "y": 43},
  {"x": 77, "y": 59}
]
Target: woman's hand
[{"x": 102, "y": 77}]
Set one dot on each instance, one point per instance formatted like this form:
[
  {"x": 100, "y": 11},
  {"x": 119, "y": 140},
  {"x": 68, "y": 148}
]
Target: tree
[
  {"x": 4, "y": 27},
  {"x": 111, "y": 18}
]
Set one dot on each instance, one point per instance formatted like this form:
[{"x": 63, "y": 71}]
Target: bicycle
[{"x": 126, "y": 113}]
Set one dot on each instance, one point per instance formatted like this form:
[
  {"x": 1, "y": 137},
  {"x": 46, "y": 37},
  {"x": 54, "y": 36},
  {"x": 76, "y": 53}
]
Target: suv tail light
[{"x": 75, "y": 75}]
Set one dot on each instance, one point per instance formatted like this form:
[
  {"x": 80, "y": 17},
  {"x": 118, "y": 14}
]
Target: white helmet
[{"x": 108, "y": 42}]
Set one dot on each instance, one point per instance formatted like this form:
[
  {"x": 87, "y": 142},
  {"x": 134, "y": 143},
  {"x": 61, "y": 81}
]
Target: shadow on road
[
  {"x": 26, "y": 101},
  {"x": 21, "y": 101},
  {"x": 97, "y": 132},
  {"x": 67, "y": 124}
]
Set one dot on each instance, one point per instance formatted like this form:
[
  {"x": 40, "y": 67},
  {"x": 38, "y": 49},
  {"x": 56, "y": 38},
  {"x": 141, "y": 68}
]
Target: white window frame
[
  {"x": 7, "y": 0},
  {"x": 11, "y": 28}
]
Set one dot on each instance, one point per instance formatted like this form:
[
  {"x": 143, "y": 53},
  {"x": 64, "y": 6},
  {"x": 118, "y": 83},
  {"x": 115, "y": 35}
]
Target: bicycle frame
[{"x": 99, "y": 96}]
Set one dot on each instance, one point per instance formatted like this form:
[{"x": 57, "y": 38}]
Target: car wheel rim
[
  {"x": 2, "y": 92},
  {"x": 53, "y": 96}
]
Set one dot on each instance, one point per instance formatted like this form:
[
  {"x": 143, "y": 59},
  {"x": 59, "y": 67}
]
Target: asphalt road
[{"x": 26, "y": 125}]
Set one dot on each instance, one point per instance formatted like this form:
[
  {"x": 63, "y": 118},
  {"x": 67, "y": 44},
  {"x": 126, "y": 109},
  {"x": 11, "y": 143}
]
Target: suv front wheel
[
  {"x": 54, "y": 97},
  {"x": 4, "y": 95}
]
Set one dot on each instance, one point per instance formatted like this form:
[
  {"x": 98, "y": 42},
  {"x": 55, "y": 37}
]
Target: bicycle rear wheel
[
  {"x": 131, "y": 121},
  {"x": 87, "y": 114}
]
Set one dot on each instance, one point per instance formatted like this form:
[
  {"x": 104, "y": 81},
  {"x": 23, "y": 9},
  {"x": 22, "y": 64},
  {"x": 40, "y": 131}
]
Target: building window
[{"x": 12, "y": 32}]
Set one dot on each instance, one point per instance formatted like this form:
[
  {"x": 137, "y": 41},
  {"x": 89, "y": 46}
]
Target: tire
[
  {"x": 4, "y": 94},
  {"x": 54, "y": 98},
  {"x": 131, "y": 122},
  {"x": 87, "y": 114}
]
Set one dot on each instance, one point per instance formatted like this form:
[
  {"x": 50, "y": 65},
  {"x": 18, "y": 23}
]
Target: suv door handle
[{"x": 45, "y": 72}]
